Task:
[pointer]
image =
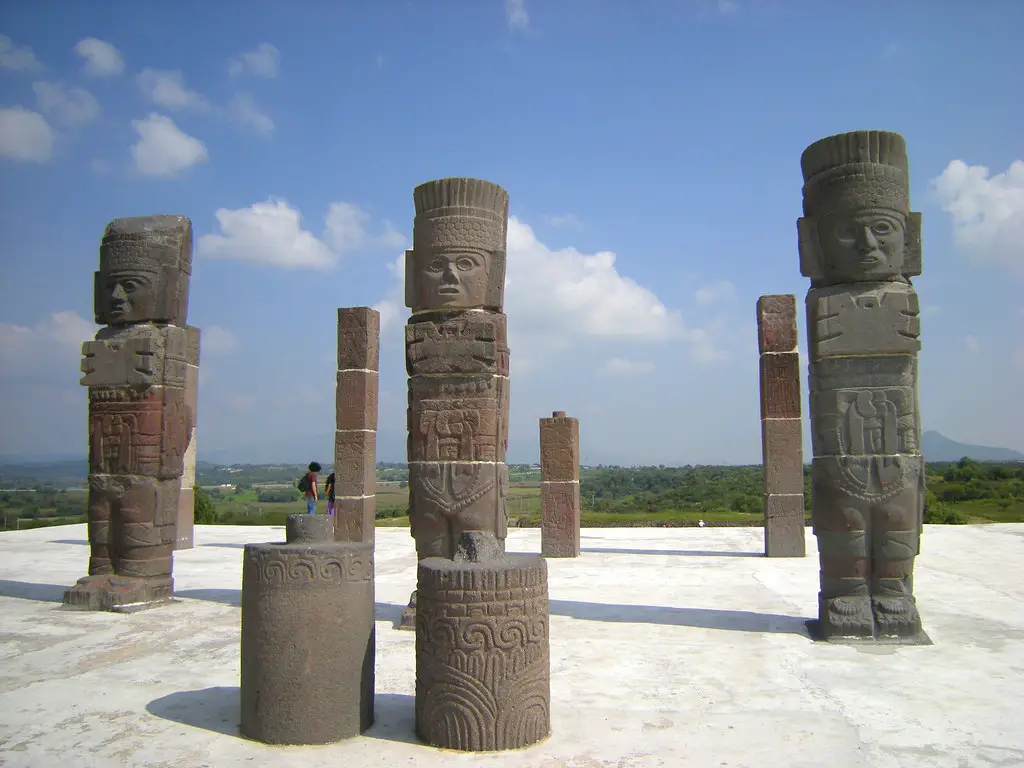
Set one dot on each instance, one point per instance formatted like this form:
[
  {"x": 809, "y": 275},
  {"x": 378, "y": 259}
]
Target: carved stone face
[
  {"x": 128, "y": 297},
  {"x": 862, "y": 245},
  {"x": 451, "y": 278}
]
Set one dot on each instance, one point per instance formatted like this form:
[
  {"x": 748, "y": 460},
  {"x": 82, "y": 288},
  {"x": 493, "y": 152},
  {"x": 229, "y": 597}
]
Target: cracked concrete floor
[{"x": 669, "y": 647}]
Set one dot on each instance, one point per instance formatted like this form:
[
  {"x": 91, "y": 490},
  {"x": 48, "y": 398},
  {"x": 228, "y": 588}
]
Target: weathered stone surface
[
  {"x": 184, "y": 529},
  {"x": 358, "y": 338},
  {"x": 355, "y": 466},
  {"x": 560, "y": 448},
  {"x": 560, "y": 519},
  {"x": 457, "y": 360},
  {"x": 482, "y": 653},
  {"x": 458, "y": 418},
  {"x": 784, "y": 525},
  {"x": 780, "y": 386},
  {"x": 458, "y": 256},
  {"x": 186, "y": 500},
  {"x": 447, "y": 498},
  {"x": 356, "y": 400},
  {"x": 354, "y": 518},
  {"x": 141, "y": 414},
  {"x": 776, "y": 323},
  {"x": 307, "y": 642},
  {"x": 465, "y": 343},
  {"x": 145, "y": 265},
  {"x": 308, "y": 529},
  {"x": 782, "y": 449},
  {"x": 860, "y": 244}
]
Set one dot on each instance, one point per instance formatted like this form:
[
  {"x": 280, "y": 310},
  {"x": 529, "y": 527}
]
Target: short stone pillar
[
  {"x": 483, "y": 672},
  {"x": 187, "y": 497},
  {"x": 560, "y": 486},
  {"x": 782, "y": 449},
  {"x": 355, "y": 442},
  {"x": 307, "y": 636}
]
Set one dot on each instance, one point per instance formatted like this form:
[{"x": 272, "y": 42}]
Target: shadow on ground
[
  {"x": 81, "y": 542},
  {"x": 686, "y": 552},
  {"x": 394, "y": 718},
  {"x": 225, "y": 545},
  {"x": 703, "y": 618},
  {"x": 223, "y": 596},
  {"x": 27, "y": 590},
  {"x": 212, "y": 709}
]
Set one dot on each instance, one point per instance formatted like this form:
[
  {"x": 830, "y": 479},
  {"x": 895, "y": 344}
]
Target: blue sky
[{"x": 651, "y": 151}]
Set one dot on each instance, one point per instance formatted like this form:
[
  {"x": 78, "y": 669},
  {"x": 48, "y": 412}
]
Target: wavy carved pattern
[{"x": 277, "y": 567}]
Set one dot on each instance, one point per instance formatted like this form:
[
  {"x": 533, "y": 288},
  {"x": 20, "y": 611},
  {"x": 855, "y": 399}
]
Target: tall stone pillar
[
  {"x": 560, "y": 486},
  {"x": 782, "y": 450},
  {"x": 140, "y": 422},
  {"x": 308, "y": 637},
  {"x": 355, "y": 444},
  {"x": 187, "y": 498},
  {"x": 860, "y": 244},
  {"x": 457, "y": 361},
  {"x": 483, "y": 669}
]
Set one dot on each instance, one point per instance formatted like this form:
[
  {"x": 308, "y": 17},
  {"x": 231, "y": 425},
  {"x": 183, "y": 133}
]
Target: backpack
[{"x": 303, "y": 483}]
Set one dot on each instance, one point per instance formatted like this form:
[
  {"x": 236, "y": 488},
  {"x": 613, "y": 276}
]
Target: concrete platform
[{"x": 669, "y": 647}]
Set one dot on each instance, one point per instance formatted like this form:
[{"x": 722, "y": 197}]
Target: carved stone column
[
  {"x": 457, "y": 360},
  {"x": 860, "y": 244},
  {"x": 483, "y": 670},
  {"x": 782, "y": 449},
  {"x": 355, "y": 445},
  {"x": 140, "y": 421},
  {"x": 560, "y": 486},
  {"x": 308, "y": 637}
]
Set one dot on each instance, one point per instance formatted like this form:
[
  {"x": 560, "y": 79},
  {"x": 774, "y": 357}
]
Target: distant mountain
[{"x": 937, "y": 447}]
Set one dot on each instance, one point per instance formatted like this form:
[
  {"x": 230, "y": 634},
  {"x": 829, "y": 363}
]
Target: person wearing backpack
[
  {"x": 308, "y": 487},
  {"x": 329, "y": 493}
]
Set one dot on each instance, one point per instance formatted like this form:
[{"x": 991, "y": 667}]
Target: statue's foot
[
  {"x": 847, "y": 617},
  {"x": 408, "y": 622},
  {"x": 118, "y": 593},
  {"x": 897, "y": 615}
]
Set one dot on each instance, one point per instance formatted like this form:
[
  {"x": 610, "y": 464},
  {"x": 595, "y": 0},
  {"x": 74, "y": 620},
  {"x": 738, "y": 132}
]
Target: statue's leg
[
  {"x": 896, "y": 542},
  {"x": 844, "y": 602},
  {"x": 98, "y": 516}
]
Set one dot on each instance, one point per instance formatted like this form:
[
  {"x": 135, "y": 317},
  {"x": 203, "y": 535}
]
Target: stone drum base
[
  {"x": 482, "y": 654},
  {"x": 307, "y": 641},
  {"x": 121, "y": 594}
]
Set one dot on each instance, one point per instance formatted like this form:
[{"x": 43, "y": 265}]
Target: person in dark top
[
  {"x": 329, "y": 492},
  {"x": 311, "y": 492}
]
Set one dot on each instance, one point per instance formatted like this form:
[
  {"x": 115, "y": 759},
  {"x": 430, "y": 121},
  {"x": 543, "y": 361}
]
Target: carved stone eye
[
  {"x": 130, "y": 286},
  {"x": 882, "y": 227},
  {"x": 465, "y": 264},
  {"x": 437, "y": 265}
]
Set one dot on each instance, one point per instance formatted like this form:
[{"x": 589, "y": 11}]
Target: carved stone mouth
[{"x": 446, "y": 289}]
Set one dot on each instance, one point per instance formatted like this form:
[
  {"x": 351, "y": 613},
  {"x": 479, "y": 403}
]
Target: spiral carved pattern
[
  {"x": 483, "y": 657},
  {"x": 277, "y": 565}
]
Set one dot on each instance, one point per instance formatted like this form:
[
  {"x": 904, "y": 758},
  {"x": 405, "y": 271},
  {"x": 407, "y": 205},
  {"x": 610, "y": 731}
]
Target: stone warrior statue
[
  {"x": 457, "y": 360},
  {"x": 859, "y": 244},
  {"x": 140, "y": 422}
]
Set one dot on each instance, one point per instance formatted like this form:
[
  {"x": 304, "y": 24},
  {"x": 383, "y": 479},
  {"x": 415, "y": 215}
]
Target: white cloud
[
  {"x": 167, "y": 88},
  {"x": 51, "y": 345},
  {"x": 265, "y": 61},
  {"x": 216, "y": 340},
  {"x": 20, "y": 59},
  {"x": 164, "y": 149},
  {"x": 70, "y": 105},
  {"x": 987, "y": 212},
  {"x": 556, "y": 297},
  {"x": 100, "y": 59},
  {"x": 271, "y": 233},
  {"x": 619, "y": 366},
  {"x": 516, "y": 15},
  {"x": 267, "y": 233},
  {"x": 971, "y": 342},
  {"x": 25, "y": 135},
  {"x": 715, "y": 293},
  {"x": 244, "y": 110}
]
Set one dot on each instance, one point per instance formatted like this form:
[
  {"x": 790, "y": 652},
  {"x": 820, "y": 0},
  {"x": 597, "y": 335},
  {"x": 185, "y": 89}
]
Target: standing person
[
  {"x": 310, "y": 489},
  {"x": 329, "y": 491}
]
